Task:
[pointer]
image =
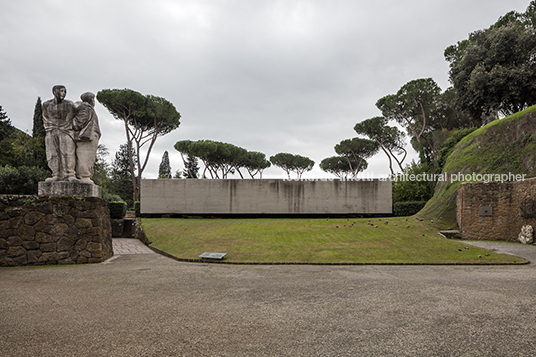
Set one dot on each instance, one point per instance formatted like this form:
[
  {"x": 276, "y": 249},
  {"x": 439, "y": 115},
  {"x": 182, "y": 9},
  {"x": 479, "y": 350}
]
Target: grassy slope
[
  {"x": 501, "y": 147},
  {"x": 314, "y": 240}
]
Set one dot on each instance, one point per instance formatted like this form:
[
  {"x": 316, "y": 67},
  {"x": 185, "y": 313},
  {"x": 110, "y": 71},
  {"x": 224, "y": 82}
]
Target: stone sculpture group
[
  {"x": 72, "y": 136},
  {"x": 526, "y": 235}
]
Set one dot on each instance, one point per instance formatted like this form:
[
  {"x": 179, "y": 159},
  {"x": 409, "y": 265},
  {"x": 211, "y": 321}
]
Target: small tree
[
  {"x": 38, "y": 126},
  {"x": 164, "y": 170},
  {"x": 389, "y": 138},
  {"x": 292, "y": 163},
  {"x": 191, "y": 167},
  {"x": 101, "y": 169},
  {"x": 414, "y": 106},
  {"x": 227, "y": 158},
  {"x": 3, "y": 115},
  {"x": 120, "y": 173},
  {"x": 355, "y": 151},
  {"x": 145, "y": 119},
  {"x": 7, "y": 131},
  {"x": 255, "y": 163},
  {"x": 406, "y": 190},
  {"x": 341, "y": 166},
  {"x": 207, "y": 152},
  {"x": 183, "y": 147},
  {"x": 37, "y": 142}
]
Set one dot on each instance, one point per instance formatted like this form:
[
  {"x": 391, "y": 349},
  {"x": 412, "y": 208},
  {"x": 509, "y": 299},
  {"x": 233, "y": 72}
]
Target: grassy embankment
[
  {"x": 502, "y": 147},
  {"x": 360, "y": 240}
]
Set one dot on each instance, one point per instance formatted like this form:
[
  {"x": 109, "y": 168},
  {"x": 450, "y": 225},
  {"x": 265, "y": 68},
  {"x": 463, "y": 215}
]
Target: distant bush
[
  {"x": 405, "y": 190},
  {"x": 118, "y": 209},
  {"x": 21, "y": 180},
  {"x": 408, "y": 208},
  {"x": 110, "y": 197}
]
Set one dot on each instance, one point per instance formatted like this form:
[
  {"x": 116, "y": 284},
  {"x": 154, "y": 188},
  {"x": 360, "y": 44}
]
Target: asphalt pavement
[{"x": 144, "y": 304}]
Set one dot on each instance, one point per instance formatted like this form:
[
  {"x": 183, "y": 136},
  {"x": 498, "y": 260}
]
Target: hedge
[
  {"x": 408, "y": 208},
  {"x": 118, "y": 209},
  {"x": 111, "y": 197}
]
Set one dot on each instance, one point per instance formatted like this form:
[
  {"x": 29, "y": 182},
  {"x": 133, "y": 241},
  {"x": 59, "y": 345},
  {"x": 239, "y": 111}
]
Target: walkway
[
  {"x": 150, "y": 305},
  {"x": 130, "y": 246}
]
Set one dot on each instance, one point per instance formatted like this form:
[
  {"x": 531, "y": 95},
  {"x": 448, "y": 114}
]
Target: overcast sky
[{"x": 270, "y": 76}]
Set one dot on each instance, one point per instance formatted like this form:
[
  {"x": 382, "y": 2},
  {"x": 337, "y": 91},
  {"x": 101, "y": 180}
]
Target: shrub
[
  {"x": 118, "y": 209},
  {"x": 408, "y": 208},
  {"x": 405, "y": 190},
  {"x": 137, "y": 209},
  {"x": 21, "y": 180},
  {"x": 110, "y": 197}
]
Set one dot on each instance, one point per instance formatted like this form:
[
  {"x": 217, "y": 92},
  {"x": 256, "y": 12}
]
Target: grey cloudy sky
[{"x": 270, "y": 76}]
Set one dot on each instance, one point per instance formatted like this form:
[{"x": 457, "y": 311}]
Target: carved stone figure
[
  {"x": 526, "y": 236},
  {"x": 58, "y": 114},
  {"x": 86, "y": 136}
]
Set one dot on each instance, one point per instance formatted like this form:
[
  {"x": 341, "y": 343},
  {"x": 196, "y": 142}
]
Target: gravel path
[{"x": 149, "y": 305}]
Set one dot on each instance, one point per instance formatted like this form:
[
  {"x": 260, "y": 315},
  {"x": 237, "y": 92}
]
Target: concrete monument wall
[
  {"x": 36, "y": 230},
  {"x": 494, "y": 210},
  {"x": 266, "y": 196}
]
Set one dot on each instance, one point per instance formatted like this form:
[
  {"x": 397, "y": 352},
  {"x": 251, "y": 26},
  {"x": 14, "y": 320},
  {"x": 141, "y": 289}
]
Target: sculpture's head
[
  {"x": 88, "y": 97},
  {"x": 59, "y": 92}
]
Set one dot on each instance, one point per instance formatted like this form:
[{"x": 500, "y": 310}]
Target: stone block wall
[
  {"x": 494, "y": 210},
  {"x": 37, "y": 230}
]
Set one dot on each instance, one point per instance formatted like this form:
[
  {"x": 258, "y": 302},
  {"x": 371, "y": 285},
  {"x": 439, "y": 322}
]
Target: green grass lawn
[{"x": 293, "y": 240}]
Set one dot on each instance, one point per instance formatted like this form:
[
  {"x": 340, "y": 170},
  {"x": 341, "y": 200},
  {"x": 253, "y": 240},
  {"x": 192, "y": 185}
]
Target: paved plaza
[{"x": 139, "y": 303}]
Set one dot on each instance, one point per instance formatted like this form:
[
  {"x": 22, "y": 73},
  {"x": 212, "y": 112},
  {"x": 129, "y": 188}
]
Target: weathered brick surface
[
  {"x": 37, "y": 230},
  {"x": 513, "y": 205}
]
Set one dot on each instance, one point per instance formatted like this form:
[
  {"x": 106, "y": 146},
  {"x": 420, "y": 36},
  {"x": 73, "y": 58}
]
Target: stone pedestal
[
  {"x": 37, "y": 230},
  {"x": 58, "y": 188}
]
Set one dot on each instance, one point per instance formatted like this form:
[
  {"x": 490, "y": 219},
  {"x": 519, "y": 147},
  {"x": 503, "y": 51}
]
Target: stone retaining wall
[
  {"x": 494, "y": 210},
  {"x": 37, "y": 230}
]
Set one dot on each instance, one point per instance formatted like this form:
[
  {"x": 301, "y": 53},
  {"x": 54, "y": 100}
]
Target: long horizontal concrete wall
[{"x": 266, "y": 196}]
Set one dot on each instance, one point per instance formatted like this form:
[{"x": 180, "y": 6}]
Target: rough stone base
[
  {"x": 58, "y": 188},
  {"x": 36, "y": 230}
]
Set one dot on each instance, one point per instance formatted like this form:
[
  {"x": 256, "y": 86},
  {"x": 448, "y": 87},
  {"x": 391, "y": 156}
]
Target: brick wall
[
  {"x": 37, "y": 230},
  {"x": 494, "y": 210}
]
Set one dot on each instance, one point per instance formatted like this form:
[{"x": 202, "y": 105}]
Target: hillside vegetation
[{"x": 506, "y": 146}]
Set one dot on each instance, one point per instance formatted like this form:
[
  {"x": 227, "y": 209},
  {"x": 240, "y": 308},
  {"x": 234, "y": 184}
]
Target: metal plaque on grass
[{"x": 212, "y": 255}]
